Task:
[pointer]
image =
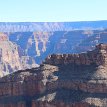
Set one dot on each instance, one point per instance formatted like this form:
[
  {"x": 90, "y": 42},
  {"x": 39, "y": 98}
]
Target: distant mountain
[{"x": 50, "y": 26}]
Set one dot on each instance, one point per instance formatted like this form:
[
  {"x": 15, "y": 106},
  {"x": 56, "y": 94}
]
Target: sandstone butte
[{"x": 63, "y": 80}]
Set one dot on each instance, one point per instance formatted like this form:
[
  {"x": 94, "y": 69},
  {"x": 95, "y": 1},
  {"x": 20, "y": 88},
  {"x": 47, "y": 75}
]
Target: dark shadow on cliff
[{"x": 73, "y": 71}]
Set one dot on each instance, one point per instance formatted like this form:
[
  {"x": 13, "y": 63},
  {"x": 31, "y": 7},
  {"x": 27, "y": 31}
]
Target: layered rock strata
[
  {"x": 12, "y": 58},
  {"x": 68, "y": 80}
]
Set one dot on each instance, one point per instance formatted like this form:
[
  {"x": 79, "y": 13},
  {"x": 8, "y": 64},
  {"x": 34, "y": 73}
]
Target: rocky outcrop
[
  {"x": 36, "y": 46},
  {"x": 27, "y": 43},
  {"x": 97, "y": 56},
  {"x": 41, "y": 44},
  {"x": 61, "y": 81},
  {"x": 12, "y": 57}
]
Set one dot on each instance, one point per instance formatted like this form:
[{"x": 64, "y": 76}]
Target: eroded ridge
[{"x": 66, "y": 80}]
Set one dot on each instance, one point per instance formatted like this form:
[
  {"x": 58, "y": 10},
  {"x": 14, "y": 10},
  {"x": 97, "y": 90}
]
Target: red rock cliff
[
  {"x": 97, "y": 56},
  {"x": 78, "y": 80}
]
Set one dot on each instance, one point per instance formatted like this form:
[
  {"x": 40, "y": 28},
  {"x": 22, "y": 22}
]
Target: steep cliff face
[
  {"x": 34, "y": 44},
  {"x": 90, "y": 42},
  {"x": 30, "y": 47},
  {"x": 40, "y": 44},
  {"x": 67, "y": 80},
  {"x": 12, "y": 57}
]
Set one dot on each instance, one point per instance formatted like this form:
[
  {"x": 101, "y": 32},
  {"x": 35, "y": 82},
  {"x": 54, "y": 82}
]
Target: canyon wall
[
  {"x": 41, "y": 44},
  {"x": 66, "y": 80},
  {"x": 97, "y": 56},
  {"x": 12, "y": 57},
  {"x": 31, "y": 47},
  {"x": 24, "y": 44}
]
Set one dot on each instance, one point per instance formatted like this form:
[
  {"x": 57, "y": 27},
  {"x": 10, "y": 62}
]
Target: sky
[{"x": 52, "y": 10}]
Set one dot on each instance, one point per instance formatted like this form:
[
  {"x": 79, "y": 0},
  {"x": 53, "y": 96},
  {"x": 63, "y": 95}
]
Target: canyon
[
  {"x": 62, "y": 80},
  {"x": 26, "y": 44},
  {"x": 40, "y": 44}
]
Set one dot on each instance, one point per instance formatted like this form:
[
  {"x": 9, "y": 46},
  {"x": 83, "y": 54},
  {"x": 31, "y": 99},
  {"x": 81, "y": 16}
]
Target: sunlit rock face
[
  {"x": 41, "y": 44},
  {"x": 64, "y": 80},
  {"x": 30, "y": 47},
  {"x": 12, "y": 57},
  {"x": 33, "y": 42}
]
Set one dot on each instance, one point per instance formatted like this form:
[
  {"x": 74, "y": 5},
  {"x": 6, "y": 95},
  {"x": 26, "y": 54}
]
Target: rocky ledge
[{"x": 68, "y": 80}]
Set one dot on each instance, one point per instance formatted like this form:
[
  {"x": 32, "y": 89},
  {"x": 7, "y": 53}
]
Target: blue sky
[{"x": 52, "y": 10}]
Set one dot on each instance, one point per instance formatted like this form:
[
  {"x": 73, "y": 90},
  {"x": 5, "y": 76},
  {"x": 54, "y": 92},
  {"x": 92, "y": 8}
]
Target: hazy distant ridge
[{"x": 50, "y": 26}]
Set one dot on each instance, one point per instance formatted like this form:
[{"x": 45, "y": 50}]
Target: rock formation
[
  {"x": 65, "y": 80},
  {"x": 41, "y": 44},
  {"x": 26, "y": 43},
  {"x": 12, "y": 57},
  {"x": 38, "y": 45},
  {"x": 89, "y": 43}
]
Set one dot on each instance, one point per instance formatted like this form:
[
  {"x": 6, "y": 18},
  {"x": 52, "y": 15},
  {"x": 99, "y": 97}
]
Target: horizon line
[{"x": 49, "y": 21}]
